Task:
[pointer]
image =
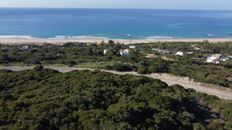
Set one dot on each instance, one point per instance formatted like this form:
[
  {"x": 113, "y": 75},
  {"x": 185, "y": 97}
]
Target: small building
[
  {"x": 157, "y": 50},
  {"x": 190, "y": 53},
  {"x": 179, "y": 53},
  {"x": 224, "y": 58},
  {"x": 132, "y": 47},
  {"x": 125, "y": 52},
  {"x": 105, "y": 51},
  {"x": 215, "y": 59},
  {"x": 196, "y": 47},
  {"x": 25, "y": 47}
]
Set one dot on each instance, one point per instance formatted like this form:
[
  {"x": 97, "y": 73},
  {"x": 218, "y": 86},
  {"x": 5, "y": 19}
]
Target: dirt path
[{"x": 221, "y": 92}]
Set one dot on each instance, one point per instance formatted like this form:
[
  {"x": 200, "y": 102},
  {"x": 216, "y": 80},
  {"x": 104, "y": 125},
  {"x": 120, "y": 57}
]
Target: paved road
[{"x": 221, "y": 92}]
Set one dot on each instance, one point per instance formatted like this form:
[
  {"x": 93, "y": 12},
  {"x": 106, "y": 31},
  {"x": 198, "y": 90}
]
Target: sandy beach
[{"x": 19, "y": 41}]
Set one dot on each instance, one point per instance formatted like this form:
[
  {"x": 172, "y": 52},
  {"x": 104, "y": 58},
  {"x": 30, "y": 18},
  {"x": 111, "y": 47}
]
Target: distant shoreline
[{"x": 20, "y": 41}]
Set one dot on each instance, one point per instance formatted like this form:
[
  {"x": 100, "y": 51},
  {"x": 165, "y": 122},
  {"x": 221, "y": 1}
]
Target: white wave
[
  {"x": 76, "y": 37},
  {"x": 210, "y": 35},
  {"x": 17, "y": 36},
  {"x": 57, "y": 37},
  {"x": 160, "y": 37},
  {"x": 175, "y": 25}
]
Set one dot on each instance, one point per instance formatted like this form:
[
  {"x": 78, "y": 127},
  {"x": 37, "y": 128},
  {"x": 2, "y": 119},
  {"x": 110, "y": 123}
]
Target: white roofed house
[
  {"x": 132, "y": 47},
  {"x": 124, "y": 52},
  {"x": 179, "y": 53},
  {"x": 189, "y": 53},
  {"x": 105, "y": 51},
  {"x": 224, "y": 58},
  {"x": 215, "y": 59},
  {"x": 160, "y": 51},
  {"x": 196, "y": 47},
  {"x": 25, "y": 47}
]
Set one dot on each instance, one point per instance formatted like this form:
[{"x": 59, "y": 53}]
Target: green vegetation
[
  {"x": 121, "y": 67},
  {"x": 68, "y": 54},
  {"x": 42, "y": 99},
  {"x": 92, "y": 56},
  {"x": 207, "y": 73}
]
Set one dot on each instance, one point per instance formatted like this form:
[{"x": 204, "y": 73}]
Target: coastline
[{"x": 41, "y": 41}]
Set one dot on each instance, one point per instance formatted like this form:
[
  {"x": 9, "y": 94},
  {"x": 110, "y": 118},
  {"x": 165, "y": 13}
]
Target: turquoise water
[{"x": 114, "y": 23}]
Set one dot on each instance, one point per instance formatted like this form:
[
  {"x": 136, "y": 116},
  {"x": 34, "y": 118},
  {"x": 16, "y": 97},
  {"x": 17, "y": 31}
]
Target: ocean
[{"x": 114, "y": 23}]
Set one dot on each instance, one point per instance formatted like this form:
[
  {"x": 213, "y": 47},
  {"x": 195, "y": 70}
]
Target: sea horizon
[
  {"x": 82, "y": 8},
  {"x": 69, "y": 23}
]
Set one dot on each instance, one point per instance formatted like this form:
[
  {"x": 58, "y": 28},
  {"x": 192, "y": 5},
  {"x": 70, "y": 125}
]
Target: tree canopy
[{"x": 41, "y": 99}]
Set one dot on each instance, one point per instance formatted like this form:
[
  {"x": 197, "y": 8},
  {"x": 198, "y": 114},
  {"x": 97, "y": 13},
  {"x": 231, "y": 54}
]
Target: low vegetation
[
  {"x": 42, "y": 99},
  {"x": 83, "y": 55}
]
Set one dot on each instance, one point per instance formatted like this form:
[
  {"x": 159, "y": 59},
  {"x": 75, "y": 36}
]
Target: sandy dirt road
[{"x": 219, "y": 91}]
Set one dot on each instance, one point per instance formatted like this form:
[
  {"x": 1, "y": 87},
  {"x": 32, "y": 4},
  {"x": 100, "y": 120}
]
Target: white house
[
  {"x": 132, "y": 47},
  {"x": 190, "y": 53},
  {"x": 215, "y": 58},
  {"x": 105, "y": 52},
  {"x": 157, "y": 50},
  {"x": 179, "y": 53},
  {"x": 25, "y": 48},
  {"x": 224, "y": 58},
  {"x": 196, "y": 47},
  {"x": 125, "y": 52}
]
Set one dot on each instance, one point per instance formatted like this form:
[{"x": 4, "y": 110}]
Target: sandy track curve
[{"x": 219, "y": 91}]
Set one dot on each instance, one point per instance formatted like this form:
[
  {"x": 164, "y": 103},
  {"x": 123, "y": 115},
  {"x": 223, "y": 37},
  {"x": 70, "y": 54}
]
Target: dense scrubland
[
  {"x": 42, "y": 99},
  {"x": 91, "y": 55}
]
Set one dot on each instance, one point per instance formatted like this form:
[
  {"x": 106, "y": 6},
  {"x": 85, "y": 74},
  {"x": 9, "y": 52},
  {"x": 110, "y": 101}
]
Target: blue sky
[{"x": 147, "y": 4}]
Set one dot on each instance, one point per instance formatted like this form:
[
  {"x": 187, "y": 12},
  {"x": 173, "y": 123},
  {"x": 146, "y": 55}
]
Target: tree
[
  {"x": 143, "y": 70},
  {"x": 159, "y": 66},
  {"x": 38, "y": 68}
]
